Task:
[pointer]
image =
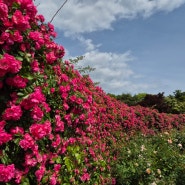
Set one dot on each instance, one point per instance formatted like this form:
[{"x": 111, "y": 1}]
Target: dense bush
[
  {"x": 49, "y": 113},
  {"x": 174, "y": 104},
  {"x": 155, "y": 102},
  {"x": 129, "y": 99},
  {"x": 157, "y": 159},
  {"x": 56, "y": 126}
]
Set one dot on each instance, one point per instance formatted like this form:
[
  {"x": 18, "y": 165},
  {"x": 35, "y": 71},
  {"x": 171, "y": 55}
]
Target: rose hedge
[{"x": 56, "y": 127}]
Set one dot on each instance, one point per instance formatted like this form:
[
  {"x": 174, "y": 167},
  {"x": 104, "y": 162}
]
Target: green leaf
[
  {"x": 45, "y": 179},
  {"x": 20, "y": 94},
  {"x": 19, "y": 58},
  {"x": 68, "y": 163},
  {"x": 30, "y": 77},
  {"x": 58, "y": 160},
  {"x": 21, "y": 53},
  {"x": 26, "y": 182}
]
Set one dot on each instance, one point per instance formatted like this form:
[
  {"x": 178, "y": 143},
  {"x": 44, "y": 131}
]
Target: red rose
[
  {"x": 3, "y": 11},
  {"x": 21, "y": 22}
]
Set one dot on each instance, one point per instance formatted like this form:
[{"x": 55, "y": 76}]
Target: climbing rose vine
[{"x": 47, "y": 113}]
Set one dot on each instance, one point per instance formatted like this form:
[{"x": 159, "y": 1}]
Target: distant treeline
[{"x": 174, "y": 103}]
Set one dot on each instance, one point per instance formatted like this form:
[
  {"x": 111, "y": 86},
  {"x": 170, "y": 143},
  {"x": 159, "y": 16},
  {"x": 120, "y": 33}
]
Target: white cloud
[
  {"x": 80, "y": 16},
  {"x": 87, "y": 43},
  {"x": 77, "y": 17},
  {"x": 112, "y": 71}
]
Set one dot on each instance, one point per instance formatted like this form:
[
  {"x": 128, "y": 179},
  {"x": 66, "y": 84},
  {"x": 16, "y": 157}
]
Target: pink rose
[
  {"x": 35, "y": 35},
  {"x": 4, "y": 36},
  {"x": 37, "y": 113},
  {"x": 39, "y": 131},
  {"x": 4, "y": 137},
  {"x": 13, "y": 113},
  {"x": 2, "y": 124},
  {"x": 6, "y": 172},
  {"x": 57, "y": 141},
  {"x": 50, "y": 57},
  {"x": 85, "y": 177},
  {"x": 30, "y": 160},
  {"x": 29, "y": 6},
  {"x": 35, "y": 66},
  {"x": 27, "y": 142},
  {"x": 17, "y": 36},
  {"x": 3, "y": 11},
  {"x": 9, "y": 64},
  {"x": 4, "y": 63},
  {"x": 20, "y": 21},
  {"x": 39, "y": 173},
  {"x": 53, "y": 180},
  {"x": 40, "y": 18},
  {"x": 17, "y": 81},
  {"x": 17, "y": 130}
]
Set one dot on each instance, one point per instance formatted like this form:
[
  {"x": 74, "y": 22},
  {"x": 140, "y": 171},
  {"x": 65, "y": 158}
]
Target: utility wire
[{"x": 58, "y": 11}]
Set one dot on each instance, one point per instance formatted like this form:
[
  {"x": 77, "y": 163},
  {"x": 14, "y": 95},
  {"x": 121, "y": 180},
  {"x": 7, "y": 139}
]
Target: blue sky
[{"x": 136, "y": 46}]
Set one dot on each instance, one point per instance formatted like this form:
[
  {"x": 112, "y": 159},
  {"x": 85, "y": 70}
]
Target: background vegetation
[{"x": 174, "y": 103}]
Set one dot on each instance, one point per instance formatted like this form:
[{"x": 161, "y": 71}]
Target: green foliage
[
  {"x": 129, "y": 99},
  {"x": 83, "y": 70},
  {"x": 179, "y": 95},
  {"x": 158, "y": 159},
  {"x": 176, "y": 102}
]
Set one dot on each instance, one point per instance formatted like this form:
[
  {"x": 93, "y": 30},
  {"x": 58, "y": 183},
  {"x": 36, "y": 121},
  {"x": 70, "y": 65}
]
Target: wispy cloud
[
  {"x": 82, "y": 16},
  {"x": 112, "y": 71},
  {"x": 87, "y": 43},
  {"x": 78, "y": 17}
]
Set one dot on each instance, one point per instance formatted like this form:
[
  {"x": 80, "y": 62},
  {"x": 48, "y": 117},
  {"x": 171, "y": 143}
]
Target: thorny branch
[{"x": 58, "y": 11}]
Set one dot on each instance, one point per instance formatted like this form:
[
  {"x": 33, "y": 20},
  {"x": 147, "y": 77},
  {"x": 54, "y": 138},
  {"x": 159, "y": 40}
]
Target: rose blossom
[
  {"x": 85, "y": 177},
  {"x": 57, "y": 141},
  {"x": 20, "y": 21},
  {"x": 4, "y": 36},
  {"x": 17, "y": 81},
  {"x": 13, "y": 113},
  {"x": 2, "y": 124},
  {"x": 27, "y": 142},
  {"x": 35, "y": 66},
  {"x": 30, "y": 160},
  {"x": 40, "y": 130},
  {"x": 59, "y": 124},
  {"x": 4, "y": 137},
  {"x": 34, "y": 99},
  {"x": 39, "y": 173},
  {"x": 17, "y": 130},
  {"x": 6, "y": 172},
  {"x": 29, "y": 6},
  {"x": 9, "y": 64},
  {"x": 3, "y": 11},
  {"x": 50, "y": 57},
  {"x": 18, "y": 176},
  {"x": 53, "y": 179},
  {"x": 37, "y": 113},
  {"x": 17, "y": 36}
]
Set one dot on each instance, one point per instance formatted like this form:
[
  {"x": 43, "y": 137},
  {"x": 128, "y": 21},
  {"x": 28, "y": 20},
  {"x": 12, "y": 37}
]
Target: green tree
[
  {"x": 129, "y": 99},
  {"x": 176, "y": 102}
]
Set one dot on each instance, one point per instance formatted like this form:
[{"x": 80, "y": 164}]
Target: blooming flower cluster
[
  {"x": 55, "y": 125},
  {"x": 8, "y": 64}
]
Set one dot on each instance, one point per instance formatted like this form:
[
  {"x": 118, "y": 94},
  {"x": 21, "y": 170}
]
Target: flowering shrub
[
  {"x": 56, "y": 127},
  {"x": 48, "y": 130},
  {"x": 152, "y": 159}
]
